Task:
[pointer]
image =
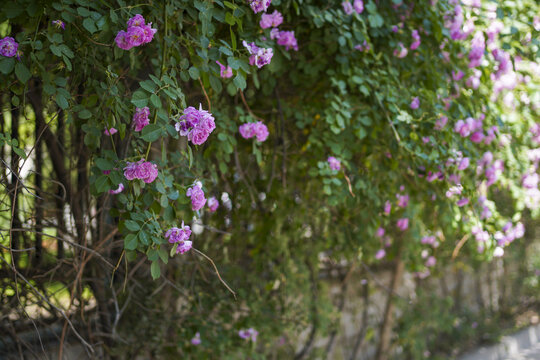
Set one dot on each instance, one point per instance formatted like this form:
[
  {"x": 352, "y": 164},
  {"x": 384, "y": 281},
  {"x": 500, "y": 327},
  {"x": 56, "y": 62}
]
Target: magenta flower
[
  {"x": 456, "y": 76},
  {"x": 225, "y": 71},
  {"x": 358, "y": 6},
  {"x": 196, "y": 340},
  {"x": 249, "y": 334},
  {"x": 259, "y": 5},
  {"x": 363, "y": 47},
  {"x": 347, "y": 7},
  {"x": 428, "y": 240},
  {"x": 415, "y": 104},
  {"x": 530, "y": 181},
  {"x": 118, "y": 190},
  {"x": 441, "y": 122},
  {"x": 462, "y": 202},
  {"x": 271, "y": 20},
  {"x": 473, "y": 81},
  {"x": 213, "y": 204},
  {"x": 59, "y": 24},
  {"x": 8, "y": 47},
  {"x": 180, "y": 237},
  {"x": 380, "y": 254},
  {"x": 258, "y": 129},
  {"x": 287, "y": 39},
  {"x": 259, "y": 56},
  {"x": 403, "y": 224},
  {"x": 462, "y": 128},
  {"x": 431, "y": 261},
  {"x": 416, "y": 37},
  {"x": 196, "y": 124},
  {"x": 380, "y": 232},
  {"x": 110, "y": 131},
  {"x": 477, "y": 137},
  {"x": 143, "y": 170},
  {"x": 122, "y": 41},
  {"x": 197, "y": 197},
  {"x": 401, "y": 52},
  {"x": 149, "y": 33},
  {"x": 478, "y": 45},
  {"x": 454, "y": 190},
  {"x": 402, "y": 200},
  {"x": 463, "y": 164},
  {"x": 140, "y": 118},
  {"x": 387, "y": 207},
  {"x": 137, "y": 34},
  {"x": 334, "y": 163}
]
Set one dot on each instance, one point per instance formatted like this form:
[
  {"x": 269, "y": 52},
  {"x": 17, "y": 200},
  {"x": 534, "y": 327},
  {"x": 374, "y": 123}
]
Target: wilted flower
[
  {"x": 118, "y": 190},
  {"x": 224, "y": 71},
  {"x": 259, "y": 56},
  {"x": 249, "y": 334},
  {"x": 140, "y": 118},
  {"x": 110, "y": 131},
  {"x": 59, "y": 24},
  {"x": 259, "y": 5}
]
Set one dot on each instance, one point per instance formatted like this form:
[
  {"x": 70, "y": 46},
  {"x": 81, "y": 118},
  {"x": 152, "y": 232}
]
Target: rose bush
[{"x": 427, "y": 109}]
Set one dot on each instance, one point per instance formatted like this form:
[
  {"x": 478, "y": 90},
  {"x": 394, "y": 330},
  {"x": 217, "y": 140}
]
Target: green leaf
[
  {"x": 140, "y": 98},
  {"x": 7, "y": 65},
  {"x": 101, "y": 183},
  {"x": 85, "y": 114},
  {"x": 130, "y": 242},
  {"x": 132, "y": 225},
  {"x": 104, "y": 164},
  {"x": 240, "y": 82},
  {"x": 148, "y": 85},
  {"x": 154, "y": 99},
  {"x": 194, "y": 72},
  {"x": 22, "y": 72},
  {"x": 89, "y": 25},
  {"x": 83, "y": 12},
  {"x": 155, "y": 270},
  {"x": 163, "y": 255},
  {"x": 62, "y": 101},
  {"x": 151, "y": 132},
  {"x": 19, "y": 152}
]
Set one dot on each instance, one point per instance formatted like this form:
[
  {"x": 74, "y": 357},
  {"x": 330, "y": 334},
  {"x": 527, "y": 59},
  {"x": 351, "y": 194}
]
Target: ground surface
[{"x": 523, "y": 345}]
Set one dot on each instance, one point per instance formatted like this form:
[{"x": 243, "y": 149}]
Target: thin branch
[
  {"x": 217, "y": 272},
  {"x": 206, "y": 96},
  {"x": 88, "y": 346}
]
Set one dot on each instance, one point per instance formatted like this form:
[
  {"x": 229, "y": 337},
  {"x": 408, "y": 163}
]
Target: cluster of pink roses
[
  {"x": 196, "y": 125},
  {"x": 180, "y": 237},
  {"x": 137, "y": 34},
  {"x": 357, "y": 6},
  {"x": 143, "y": 170},
  {"x": 257, "y": 129},
  {"x": 197, "y": 196}
]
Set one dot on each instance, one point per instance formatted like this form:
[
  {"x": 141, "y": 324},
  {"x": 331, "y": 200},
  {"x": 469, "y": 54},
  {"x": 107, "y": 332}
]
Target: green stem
[{"x": 162, "y": 70}]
